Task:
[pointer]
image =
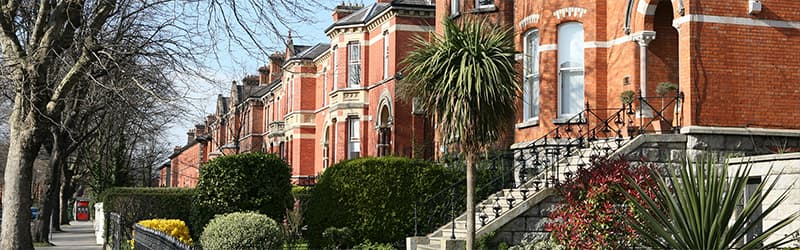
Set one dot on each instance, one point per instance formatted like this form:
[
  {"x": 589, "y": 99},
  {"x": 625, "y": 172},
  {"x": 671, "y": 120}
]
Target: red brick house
[
  {"x": 321, "y": 104},
  {"x": 184, "y": 163}
]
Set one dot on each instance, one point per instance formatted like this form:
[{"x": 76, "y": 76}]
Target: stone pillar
[
  {"x": 99, "y": 223},
  {"x": 643, "y": 38}
]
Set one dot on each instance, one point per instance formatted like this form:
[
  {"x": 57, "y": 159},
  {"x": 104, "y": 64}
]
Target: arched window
[
  {"x": 530, "y": 89},
  {"x": 570, "y": 69}
]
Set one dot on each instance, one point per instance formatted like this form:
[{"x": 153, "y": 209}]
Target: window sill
[
  {"x": 527, "y": 124},
  {"x": 484, "y": 9},
  {"x": 565, "y": 120}
]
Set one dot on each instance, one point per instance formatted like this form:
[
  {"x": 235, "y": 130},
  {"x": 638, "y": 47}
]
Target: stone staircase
[{"x": 505, "y": 205}]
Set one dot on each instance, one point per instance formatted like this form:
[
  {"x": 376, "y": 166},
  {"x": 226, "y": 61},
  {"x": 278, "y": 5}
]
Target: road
[{"x": 79, "y": 235}]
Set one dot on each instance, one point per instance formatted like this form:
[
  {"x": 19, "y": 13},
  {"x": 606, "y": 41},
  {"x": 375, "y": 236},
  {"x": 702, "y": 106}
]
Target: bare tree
[{"x": 53, "y": 48}]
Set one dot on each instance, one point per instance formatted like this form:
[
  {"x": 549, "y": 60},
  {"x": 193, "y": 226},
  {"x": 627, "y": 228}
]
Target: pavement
[{"x": 78, "y": 235}]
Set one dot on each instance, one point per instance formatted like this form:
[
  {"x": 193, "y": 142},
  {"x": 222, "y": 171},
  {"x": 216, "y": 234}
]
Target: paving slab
[{"x": 78, "y": 235}]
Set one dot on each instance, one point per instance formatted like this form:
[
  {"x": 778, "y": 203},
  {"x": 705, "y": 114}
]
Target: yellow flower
[{"x": 172, "y": 227}]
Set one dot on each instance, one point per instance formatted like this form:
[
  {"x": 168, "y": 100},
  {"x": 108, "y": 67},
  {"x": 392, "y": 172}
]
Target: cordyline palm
[
  {"x": 466, "y": 80},
  {"x": 699, "y": 210}
]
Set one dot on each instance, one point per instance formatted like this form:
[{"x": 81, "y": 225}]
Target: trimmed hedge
[
  {"x": 136, "y": 204},
  {"x": 243, "y": 182},
  {"x": 241, "y": 231},
  {"x": 373, "y": 196}
]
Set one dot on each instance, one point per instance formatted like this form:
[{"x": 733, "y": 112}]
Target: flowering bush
[
  {"x": 174, "y": 228},
  {"x": 593, "y": 210}
]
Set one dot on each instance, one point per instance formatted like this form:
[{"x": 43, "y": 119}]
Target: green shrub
[
  {"x": 373, "y": 196},
  {"x": 244, "y": 182},
  {"x": 241, "y": 231},
  {"x": 368, "y": 245},
  {"x": 336, "y": 238},
  {"x": 136, "y": 204}
]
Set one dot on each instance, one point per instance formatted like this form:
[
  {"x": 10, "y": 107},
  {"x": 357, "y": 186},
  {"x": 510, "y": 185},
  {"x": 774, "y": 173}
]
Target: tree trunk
[
  {"x": 67, "y": 190},
  {"x": 470, "y": 200},
  {"x": 41, "y": 226},
  {"x": 22, "y": 152}
]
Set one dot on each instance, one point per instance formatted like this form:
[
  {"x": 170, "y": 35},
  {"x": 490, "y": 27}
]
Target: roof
[
  {"x": 364, "y": 15},
  {"x": 312, "y": 52},
  {"x": 184, "y": 148}
]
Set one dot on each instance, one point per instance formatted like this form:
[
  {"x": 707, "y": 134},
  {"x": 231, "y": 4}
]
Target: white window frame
[
  {"x": 531, "y": 87},
  {"x": 353, "y": 137},
  {"x": 335, "y": 66},
  {"x": 290, "y": 103},
  {"x": 324, "y": 86},
  {"x": 565, "y": 67},
  {"x": 479, "y": 4},
  {"x": 386, "y": 54},
  {"x": 353, "y": 64}
]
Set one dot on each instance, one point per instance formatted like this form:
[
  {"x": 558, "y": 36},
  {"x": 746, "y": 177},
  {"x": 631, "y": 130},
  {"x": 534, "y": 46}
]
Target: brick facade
[
  {"x": 736, "y": 69},
  {"x": 301, "y": 105}
]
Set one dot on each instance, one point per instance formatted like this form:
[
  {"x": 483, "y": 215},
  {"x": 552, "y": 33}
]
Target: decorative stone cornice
[
  {"x": 644, "y": 37},
  {"x": 570, "y": 12},
  {"x": 529, "y": 20}
]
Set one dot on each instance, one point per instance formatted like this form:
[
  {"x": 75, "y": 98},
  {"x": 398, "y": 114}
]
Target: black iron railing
[{"x": 573, "y": 143}]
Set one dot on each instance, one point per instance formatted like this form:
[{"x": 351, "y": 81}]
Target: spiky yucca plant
[
  {"x": 466, "y": 80},
  {"x": 699, "y": 210}
]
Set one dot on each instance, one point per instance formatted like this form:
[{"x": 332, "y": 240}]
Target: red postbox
[{"x": 81, "y": 210}]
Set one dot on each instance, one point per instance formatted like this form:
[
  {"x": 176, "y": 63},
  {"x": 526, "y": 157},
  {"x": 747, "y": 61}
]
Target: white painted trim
[
  {"x": 590, "y": 44},
  {"x": 547, "y": 47},
  {"x": 528, "y": 20},
  {"x": 647, "y": 9},
  {"x": 740, "y": 131},
  {"x": 607, "y": 44},
  {"x": 401, "y": 27},
  {"x": 736, "y": 21},
  {"x": 570, "y": 11}
]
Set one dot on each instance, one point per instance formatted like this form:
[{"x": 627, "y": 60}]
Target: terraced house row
[
  {"x": 315, "y": 105},
  {"x": 715, "y": 71}
]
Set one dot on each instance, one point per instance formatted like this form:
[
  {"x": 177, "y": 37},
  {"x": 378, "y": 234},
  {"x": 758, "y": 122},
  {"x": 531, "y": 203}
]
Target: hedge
[
  {"x": 373, "y": 196},
  {"x": 244, "y": 182},
  {"x": 136, "y": 204}
]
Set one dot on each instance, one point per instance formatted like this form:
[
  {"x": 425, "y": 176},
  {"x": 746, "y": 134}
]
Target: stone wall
[
  {"x": 724, "y": 143},
  {"x": 531, "y": 225},
  {"x": 769, "y": 167}
]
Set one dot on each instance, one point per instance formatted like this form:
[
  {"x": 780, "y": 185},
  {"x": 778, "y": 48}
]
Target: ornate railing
[
  {"x": 149, "y": 239},
  {"x": 498, "y": 172},
  {"x": 572, "y": 144}
]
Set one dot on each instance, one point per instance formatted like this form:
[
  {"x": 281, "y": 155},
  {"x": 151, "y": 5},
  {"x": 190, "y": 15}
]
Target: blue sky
[{"x": 231, "y": 64}]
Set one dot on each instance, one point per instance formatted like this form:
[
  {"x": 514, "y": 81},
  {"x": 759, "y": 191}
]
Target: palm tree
[
  {"x": 698, "y": 210},
  {"x": 466, "y": 80}
]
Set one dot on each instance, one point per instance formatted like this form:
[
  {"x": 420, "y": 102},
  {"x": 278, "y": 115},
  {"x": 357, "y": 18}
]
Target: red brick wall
[
  {"x": 185, "y": 167},
  {"x": 728, "y": 72}
]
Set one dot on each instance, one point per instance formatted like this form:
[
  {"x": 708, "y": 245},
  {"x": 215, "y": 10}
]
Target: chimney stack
[
  {"x": 190, "y": 136},
  {"x": 345, "y": 9},
  {"x": 276, "y": 66},
  {"x": 250, "y": 80},
  {"x": 263, "y": 75}
]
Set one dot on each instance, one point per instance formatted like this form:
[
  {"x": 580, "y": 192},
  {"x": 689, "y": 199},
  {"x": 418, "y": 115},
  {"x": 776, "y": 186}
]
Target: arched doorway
[
  {"x": 384, "y": 130},
  {"x": 663, "y": 66}
]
